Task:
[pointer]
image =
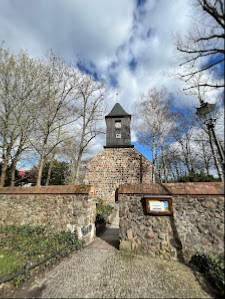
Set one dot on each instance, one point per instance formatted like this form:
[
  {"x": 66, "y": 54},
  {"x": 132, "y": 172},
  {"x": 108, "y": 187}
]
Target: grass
[{"x": 22, "y": 243}]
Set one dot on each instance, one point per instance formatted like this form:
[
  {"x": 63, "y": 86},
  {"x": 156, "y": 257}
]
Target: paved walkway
[{"x": 101, "y": 271}]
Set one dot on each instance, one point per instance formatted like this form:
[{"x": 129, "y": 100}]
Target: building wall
[
  {"x": 60, "y": 211},
  {"x": 115, "y": 166},
  {"x": 197, "y": 224}
]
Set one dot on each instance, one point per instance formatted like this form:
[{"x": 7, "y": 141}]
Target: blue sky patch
[
  {"x": 113, "y": 80},
  {"x": 133, "y": 64},
  {"x": 141, "y": 2},
  {"x": 87, "y": 71}
]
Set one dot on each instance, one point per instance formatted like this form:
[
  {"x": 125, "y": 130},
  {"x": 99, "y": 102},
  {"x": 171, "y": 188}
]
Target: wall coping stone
[
  {"x": 195, "y": 188},
  {"x": 62, "y": 189}
]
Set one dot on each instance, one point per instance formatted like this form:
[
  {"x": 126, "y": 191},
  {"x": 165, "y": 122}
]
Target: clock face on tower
[{"x": 118, "y": 124}]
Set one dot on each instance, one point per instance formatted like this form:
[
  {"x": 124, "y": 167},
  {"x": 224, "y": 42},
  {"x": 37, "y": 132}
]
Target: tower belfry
[{"x": 118, "y": 128}]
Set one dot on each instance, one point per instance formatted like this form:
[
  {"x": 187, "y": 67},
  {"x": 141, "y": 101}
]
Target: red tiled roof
[
  {"x": 151, "y": 189},
  {"x": 197, "y": 188},
  {"x": 22, "y": 173},
  {"x": 64, "y": 189}
]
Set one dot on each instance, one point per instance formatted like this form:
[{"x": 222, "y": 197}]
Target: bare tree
[
  {"x": 53, "y": 155},
  {"x": 204, "y": 94},
  {"x": 202, "y": 48},
  {"x": 193, "y": 150},
  {"x": 154, "y": 123},
  {"x": 174, "y": 162},
  {"x": 69, "y": 151},
  {"x": 40, "y": 99},
  {"x": 53, "y": 110},
  {"x": 20, "y": 79},
  {"x": 183, "y": 134},
  {"x": 204, "y": 155},
  {"x": 91, "y": 102}
]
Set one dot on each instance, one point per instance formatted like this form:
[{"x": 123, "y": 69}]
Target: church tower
[
  {"x": 118, "y": 162},
  {"x": 118, "y": 128}
]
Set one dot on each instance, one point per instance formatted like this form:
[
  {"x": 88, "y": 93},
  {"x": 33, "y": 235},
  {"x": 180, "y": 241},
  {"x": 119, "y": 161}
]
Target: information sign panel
[{"x": 159, "y": 206}]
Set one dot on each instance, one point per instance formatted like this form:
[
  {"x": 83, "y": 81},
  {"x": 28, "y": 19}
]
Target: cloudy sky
[{"x": 124, "y": 42}]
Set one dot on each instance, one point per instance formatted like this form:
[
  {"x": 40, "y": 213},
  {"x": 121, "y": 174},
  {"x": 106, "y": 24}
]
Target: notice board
[{"x": 159, "y": 205}]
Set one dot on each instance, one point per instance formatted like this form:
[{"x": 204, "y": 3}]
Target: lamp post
[{"x": 206, "y": 112}]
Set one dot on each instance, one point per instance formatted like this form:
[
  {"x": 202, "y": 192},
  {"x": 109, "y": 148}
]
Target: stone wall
[
  {"x": 197, "y": 223},
  {"x": 115, "y": 166},
  {"x": 58, "y": 207}
]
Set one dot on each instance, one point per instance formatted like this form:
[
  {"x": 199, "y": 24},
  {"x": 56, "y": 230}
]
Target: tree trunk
[
  {"x": 205, "y": 159},
  {"x": 164, "y": 166},
  {"x": 50, "y": 169},
  {"x": 13, "y": 175},
  {"x": 52, "y": 160},
  {"x": 81, "y": 147},
  {"x": 159, "y": 172},
  {"x": 3, "y": 170},
  {"x": 78, "y": 166},
  {"x": 49, "y": 172},
  {"x": 40, "y": 169},
  {"x": 3, "y": 175},
  {"x": 153, "y": 173},
  {"x": 187, "y": 159},
  {"x": 13, "y": 169},
  {"x": 41, "y": 164},
  {"x": 219, "y": 171},
  {"x": 153, "y": 159}
]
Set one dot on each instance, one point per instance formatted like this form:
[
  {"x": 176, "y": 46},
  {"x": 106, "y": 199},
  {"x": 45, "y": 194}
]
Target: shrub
[
  {"x": 212, "y": 268},
  {"x": 22, "y": 243},
  {"x": 102, "y": 212}
]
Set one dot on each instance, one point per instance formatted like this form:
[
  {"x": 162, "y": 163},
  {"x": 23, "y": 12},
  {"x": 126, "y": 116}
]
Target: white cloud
[
  {"x": 91, "y": 29},
  {"x": 101, "y": 32},
  {"x": 107, "y": 36}
]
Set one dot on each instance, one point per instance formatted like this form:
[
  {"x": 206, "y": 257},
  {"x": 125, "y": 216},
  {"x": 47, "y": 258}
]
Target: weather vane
[{"x": 117, "y": 93}]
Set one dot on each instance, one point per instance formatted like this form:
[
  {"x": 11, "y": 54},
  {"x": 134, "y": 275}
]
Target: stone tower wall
[{"x": 113, "y": 167}]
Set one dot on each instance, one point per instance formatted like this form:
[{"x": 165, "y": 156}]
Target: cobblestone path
[{"x": 101, "y": 271}]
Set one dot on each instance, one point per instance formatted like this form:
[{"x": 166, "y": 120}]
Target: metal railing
[{"x": 29, "y": 267}]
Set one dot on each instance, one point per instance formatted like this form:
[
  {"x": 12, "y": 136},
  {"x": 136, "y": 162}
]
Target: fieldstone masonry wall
[
  {"x": 197, "y": 223},
  {"x": 58, "y": 207},
  {"x": 115, "y": 166}
]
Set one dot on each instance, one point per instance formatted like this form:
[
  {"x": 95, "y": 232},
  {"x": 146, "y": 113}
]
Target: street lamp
[{"x": 206, "y": 113}]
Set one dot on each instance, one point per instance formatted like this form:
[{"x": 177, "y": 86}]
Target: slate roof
[
  {"x": 117, "y": 111},
  {"x": 63, "y": 189},
  {"x": 206, "y": 188}
]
